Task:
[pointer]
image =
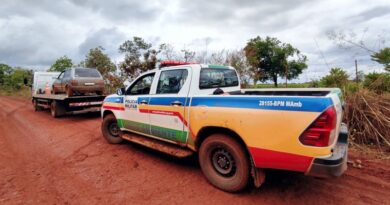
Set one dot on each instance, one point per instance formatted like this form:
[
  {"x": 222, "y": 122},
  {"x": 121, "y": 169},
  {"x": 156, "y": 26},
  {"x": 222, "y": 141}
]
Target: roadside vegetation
[{"x": 261, "y": 63}]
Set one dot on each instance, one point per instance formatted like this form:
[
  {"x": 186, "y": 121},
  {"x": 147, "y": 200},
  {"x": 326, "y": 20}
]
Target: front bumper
[{"x": 336, "y": 164}]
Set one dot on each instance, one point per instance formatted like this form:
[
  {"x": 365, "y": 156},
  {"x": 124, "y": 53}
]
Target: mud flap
[{"x": 258, "y": 175}]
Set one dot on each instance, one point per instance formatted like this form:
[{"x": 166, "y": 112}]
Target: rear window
[
  {"x": 87, "y": 73},
  {"x": 217, "y": 78}
]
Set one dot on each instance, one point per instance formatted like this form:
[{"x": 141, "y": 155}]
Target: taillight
[{"x": 321, "y": 132}]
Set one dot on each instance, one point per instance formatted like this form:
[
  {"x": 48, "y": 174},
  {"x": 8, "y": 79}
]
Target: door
[
  {"x": 167, "y": 106},
  {"x": 65, "y": 79},
  {"x": 57, "y": 82},
  {"x": 135, "y": 118}
]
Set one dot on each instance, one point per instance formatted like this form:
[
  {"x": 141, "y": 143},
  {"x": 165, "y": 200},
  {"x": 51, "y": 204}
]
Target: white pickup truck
[{"x": 195, "y": 108}]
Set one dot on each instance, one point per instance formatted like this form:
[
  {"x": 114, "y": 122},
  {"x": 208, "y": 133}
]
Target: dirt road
[{"x": 67, "y": 161}]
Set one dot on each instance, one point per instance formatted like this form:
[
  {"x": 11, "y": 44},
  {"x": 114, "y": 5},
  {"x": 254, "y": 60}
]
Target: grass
[{"x": 24, "y": 92}]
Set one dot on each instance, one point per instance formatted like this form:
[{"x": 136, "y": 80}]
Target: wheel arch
[
  {"x": 107, "y": 112},
  {"x": 209, "y": 130}
]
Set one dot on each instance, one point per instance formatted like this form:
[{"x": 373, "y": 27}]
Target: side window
[
  {"x": 67, "y": 74},
  {"x": 171, "y": 81},
  {"x": 61, "y": 75},
  {"x": 217, "y": 77},
  {"x": 141, "y": 86}
]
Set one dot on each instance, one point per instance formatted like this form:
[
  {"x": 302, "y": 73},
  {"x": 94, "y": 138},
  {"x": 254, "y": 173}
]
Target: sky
[{"x": 33, "y": 34}]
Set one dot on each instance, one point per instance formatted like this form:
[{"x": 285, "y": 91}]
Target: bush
[
  {"x": 336, "y": 78},
  {"x": 378, "y": 82}
]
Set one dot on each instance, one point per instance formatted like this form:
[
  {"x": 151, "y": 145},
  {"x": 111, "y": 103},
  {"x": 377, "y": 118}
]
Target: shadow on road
[{"x": 276, "y": 180}]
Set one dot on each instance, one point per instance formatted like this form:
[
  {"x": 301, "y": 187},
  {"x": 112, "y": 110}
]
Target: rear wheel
[
  {"x": 224, "y": 162},
  {"x": 56, "y": 109},
  {"x": 36, "y": 106},
  {"x": 111, "y": 130}
]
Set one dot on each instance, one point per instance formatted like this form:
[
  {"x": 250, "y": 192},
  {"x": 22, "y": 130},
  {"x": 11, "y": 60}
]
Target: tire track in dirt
[{"x": 67, "y": 161}]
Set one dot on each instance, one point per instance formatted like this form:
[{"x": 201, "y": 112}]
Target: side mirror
[{"x": 120, "y": 91}]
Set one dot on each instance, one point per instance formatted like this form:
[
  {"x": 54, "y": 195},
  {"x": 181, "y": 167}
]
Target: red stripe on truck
[
  {"x": 264, "y": 158},
  {"x": 113, "y": 108}
]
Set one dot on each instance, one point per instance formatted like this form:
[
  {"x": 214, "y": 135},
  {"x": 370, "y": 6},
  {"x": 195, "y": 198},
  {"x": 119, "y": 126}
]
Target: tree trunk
[{"x": 275, "y": 79}]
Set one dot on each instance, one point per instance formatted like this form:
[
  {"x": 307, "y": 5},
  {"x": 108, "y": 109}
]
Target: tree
[
  {"x": 382, "y": 57},
  {"x": 139, "y": 56},
  {"x": 237, "y": 60},
  {"x": 167, "y": 52},
  {"x": 99, "y": 60},
  {"x": 269, "y": 59},
  {"x": 61, "y": 64},
  {"x": 17, "y": 78},
  {"x": 5, "y": 70},
  {"x": 188, "y": 55},
  {"x": 337, "y": 77}
]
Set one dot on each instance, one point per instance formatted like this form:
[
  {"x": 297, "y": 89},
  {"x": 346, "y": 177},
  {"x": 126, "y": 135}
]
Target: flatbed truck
[{"x": 61, "y": 104}]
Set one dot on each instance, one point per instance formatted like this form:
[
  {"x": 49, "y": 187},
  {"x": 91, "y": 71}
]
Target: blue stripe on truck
[
  {"x": 308, "y": 104},
  {"x": 305, "y": 104}
]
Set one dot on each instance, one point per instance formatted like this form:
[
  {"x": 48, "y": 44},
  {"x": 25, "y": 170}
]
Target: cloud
[{"x": 36, "y": 34}]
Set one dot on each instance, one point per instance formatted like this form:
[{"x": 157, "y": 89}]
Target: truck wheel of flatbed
[
  {"x": 224, "y": 163},
  {"x": 36, "y": 106},
  {"x": 56, "y": 109},
  {"x": 110, "y": 130}
]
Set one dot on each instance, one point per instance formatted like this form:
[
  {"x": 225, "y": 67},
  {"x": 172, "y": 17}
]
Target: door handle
[
  {"x": 177, "y": 103},
  {"x": 143, "y": 102}
]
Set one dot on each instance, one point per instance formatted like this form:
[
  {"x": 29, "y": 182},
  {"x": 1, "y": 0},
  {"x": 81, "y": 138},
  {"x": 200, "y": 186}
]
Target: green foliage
[
  {"x": 4, "y": 71},
  {"x": 382, "y": 57},
  {"x": 140, "y": 56},
  {"x": 237, "y": 60},
  {"x": 15, "y": 78},
  {"x": 61, "y": 64},
  {"x": 269, "y": 59},
  {"x": 378, "y": 82},
  {"x": 336, "y": 78},
  {"x": 99, "y": 60},
  {"x": 314, "y": 84}
]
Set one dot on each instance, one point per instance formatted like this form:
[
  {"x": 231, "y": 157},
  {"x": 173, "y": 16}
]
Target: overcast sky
[{"x": 35, "y": 34}]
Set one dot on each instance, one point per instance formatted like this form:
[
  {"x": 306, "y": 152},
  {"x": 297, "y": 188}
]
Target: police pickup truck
[{"x": 236, "y": 133}]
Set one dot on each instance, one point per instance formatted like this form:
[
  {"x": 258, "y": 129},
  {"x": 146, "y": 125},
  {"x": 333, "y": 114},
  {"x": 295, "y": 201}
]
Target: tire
[
  {"x": 224, "y": 162},
  {"x": 69, "y": 91},
  {"x": 56, "y": 109},
  {"x": 36, "y": 106},
  {"x": 110, "y": 130}
]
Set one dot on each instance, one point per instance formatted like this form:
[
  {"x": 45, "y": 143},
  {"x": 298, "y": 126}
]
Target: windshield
[
  {"x": 87, "y": 73},
  {"x": 217, "y": 77}
]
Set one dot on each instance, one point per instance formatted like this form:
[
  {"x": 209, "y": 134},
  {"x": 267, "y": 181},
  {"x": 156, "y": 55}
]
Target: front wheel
[
  {"x": 224, "y": 162},
  {"x": 110, "y": 129}
]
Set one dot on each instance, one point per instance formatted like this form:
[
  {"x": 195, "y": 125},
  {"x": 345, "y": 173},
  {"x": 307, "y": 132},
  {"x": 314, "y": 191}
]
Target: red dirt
[{"x": 66, "y": 161}]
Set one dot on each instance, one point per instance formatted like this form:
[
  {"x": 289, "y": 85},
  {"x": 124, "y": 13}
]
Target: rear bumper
[
  {"x": 86, "y": 88},
  {"x": 336, "y": 164}
]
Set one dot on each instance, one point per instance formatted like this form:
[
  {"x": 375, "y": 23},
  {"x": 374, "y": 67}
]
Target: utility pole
[{"x": 356, "y": 69}]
